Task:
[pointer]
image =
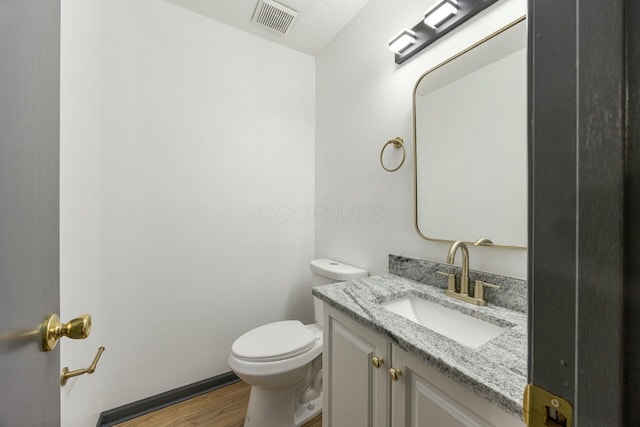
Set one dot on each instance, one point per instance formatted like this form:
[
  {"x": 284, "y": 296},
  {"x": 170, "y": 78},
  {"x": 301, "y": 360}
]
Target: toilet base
[
  {"x": 278, "y": 408},
  {"x": 308, "y": 411}
]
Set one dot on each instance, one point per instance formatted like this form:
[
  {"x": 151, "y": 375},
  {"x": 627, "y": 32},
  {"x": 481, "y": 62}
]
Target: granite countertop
[{"x": 496, "y": 370}]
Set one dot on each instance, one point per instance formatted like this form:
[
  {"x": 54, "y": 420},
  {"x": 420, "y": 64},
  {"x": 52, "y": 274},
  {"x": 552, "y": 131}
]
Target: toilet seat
[
  {"x": 255, "y": 368},
  {"x": 274, "y": 342}
]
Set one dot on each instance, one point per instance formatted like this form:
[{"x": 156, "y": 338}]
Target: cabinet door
[
  {"x": 423, "y": 397},
  {"x": 355, "y": 393}
]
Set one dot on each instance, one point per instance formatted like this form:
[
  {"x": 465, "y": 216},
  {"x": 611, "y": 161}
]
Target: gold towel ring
[{"x": 397, "y": 143}]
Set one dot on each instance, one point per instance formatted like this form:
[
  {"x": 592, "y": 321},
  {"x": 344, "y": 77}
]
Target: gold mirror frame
[{"x": 415, "y": 139}]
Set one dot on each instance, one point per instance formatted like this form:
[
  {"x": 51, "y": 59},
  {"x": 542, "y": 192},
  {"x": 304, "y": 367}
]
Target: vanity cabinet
[
  {"x": 356, "y": 393},
  {"x": 424, "y": 397}
]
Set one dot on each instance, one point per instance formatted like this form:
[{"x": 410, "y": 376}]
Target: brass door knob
[
  {"x": 395, "y": 374},
  {"x": 52, "y": 330},
  {"x": 377, "y": 362}
]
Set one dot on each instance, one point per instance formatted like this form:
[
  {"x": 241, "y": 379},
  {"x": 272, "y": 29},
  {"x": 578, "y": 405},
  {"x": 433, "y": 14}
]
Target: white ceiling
[{"x": 317, "y": 24}]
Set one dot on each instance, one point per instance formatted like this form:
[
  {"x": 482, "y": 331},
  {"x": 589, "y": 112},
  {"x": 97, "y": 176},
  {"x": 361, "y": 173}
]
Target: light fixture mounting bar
[{"x": 425, "y": 35}]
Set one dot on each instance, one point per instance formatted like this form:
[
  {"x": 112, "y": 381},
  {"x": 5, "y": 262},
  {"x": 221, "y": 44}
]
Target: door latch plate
[{"x": 543, "y": 408}]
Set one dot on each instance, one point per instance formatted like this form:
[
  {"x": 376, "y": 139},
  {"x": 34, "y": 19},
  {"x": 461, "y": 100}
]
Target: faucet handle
[
  {"x": 478, "y": 293},
  {"x": 451, "y": 282}
]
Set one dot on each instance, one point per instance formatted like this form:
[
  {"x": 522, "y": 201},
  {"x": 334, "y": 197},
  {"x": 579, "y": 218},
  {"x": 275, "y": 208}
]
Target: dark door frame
[
  {"x": 631, "y": 355},
  {"x": 584, "y": 206}
]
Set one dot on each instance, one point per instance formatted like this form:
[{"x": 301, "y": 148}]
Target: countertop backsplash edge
[{"x": 512, "y": 293}]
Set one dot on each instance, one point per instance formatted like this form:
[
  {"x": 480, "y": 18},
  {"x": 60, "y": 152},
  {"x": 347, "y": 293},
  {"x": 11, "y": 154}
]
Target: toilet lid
[{"x": 274, "y": 341}]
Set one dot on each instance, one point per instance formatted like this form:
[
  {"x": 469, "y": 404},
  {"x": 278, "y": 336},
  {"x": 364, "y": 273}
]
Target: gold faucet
[
  {"x": 451, "y": 257},
  {"x": 463, "y": 294}
]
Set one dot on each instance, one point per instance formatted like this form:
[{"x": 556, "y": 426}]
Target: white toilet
[{"x": 282, "y": 361}]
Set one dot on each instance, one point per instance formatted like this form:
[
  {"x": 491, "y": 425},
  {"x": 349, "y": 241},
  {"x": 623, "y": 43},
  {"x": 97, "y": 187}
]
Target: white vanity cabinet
[
  {"x": 355, "y": 393},
  {"x": 423, "y": 397}
]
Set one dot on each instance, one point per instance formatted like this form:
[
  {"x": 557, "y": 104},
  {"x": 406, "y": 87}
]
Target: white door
[
  {"x": 29, "y": 210},
  {"x": 423, "y": 397},
  {"x": 355, "y": 391}
]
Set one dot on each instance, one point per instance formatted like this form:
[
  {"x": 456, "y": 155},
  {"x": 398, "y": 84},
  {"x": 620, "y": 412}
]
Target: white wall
[
  {"x": 202, "y": 126},
  {"x": 184, "y": 139},
  {"x": 80, "y": 205},
  {"x": 364, "y": 99}
]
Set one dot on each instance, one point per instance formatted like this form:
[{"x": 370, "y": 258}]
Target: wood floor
[{"x": 225, "y": 407}]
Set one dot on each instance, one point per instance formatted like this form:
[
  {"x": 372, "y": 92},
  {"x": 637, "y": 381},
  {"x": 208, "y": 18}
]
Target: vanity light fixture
[
  {"x": 441, "y": 18},
  {"x": 402, "y": 40},
  {"x": 440, "y": 12}
]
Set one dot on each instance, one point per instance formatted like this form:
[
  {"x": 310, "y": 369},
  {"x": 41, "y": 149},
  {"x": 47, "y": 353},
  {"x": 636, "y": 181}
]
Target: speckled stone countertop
[{"x": 496, "y": 370}]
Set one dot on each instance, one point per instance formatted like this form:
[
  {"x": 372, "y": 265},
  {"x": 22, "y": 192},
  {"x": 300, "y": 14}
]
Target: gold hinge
[{"x": 543, "y": 408}]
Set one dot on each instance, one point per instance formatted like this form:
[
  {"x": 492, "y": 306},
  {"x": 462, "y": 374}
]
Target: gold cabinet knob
[
  {"x": 395, "y": 374},
  {"x": 377, "y": 362},
  {"x": 52, "y": 330}
]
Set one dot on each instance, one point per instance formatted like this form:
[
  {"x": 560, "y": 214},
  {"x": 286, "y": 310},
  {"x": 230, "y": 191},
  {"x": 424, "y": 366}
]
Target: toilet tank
[{"x": 325, "y": 271}]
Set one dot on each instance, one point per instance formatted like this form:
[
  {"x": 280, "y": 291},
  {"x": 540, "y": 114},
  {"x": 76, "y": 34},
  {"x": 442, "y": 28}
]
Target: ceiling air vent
[{"x": 274, "y": 16}]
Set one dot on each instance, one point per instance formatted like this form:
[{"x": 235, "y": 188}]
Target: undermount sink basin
[{"x": 451, "y": 323}]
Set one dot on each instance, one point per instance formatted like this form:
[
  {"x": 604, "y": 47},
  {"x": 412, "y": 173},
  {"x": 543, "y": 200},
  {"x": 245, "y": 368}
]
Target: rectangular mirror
[{"x": 470, "y": 136}]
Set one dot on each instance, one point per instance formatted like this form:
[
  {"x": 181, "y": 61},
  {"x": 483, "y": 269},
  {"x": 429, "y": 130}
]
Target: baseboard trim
[{"x": 135, "y": 409}]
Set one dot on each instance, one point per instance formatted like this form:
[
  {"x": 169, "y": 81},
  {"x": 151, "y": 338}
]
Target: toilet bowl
[{"x": 282, "y": 361}]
